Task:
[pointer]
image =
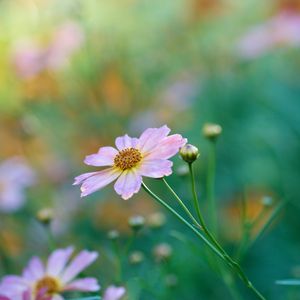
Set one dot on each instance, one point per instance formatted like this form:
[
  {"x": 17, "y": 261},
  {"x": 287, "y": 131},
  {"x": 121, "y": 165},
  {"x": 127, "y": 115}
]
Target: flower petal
[
  {"x": 128, "y": 184},
  {"x": 34, "y": 270},
  {"x": 104, "y": 157},
  {"x": 168, "y": 147},
  {"x": 114, "y": 293},
  {"x": 156, "y": 168},
  {"x": 79, "y": 179},
  {"x": 151, "y": 137},
  {"x": 126, "y": 141},
  {"x": 58, "y": 260},
  {"x": 98, "y": 180},
  {"x": 80, "y": 262},
  {"x": 88, "y": 284}
]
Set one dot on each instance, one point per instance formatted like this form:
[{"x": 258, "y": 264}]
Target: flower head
[
  {"x": 136, "y": 157},
  {"x": 15, "y": 176},
  {"x": 47, "y": 282}
]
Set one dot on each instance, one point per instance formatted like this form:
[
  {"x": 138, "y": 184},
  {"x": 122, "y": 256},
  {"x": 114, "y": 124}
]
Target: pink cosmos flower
[
  {"x": 134, "y": 157},
  {"x": 113, "y": 293},
  {"x": 30, "y": 58},
  {"x": 47, "y": 282},
  {"x": 15, "y": 176},
  {"x": 280, "y": 30}
]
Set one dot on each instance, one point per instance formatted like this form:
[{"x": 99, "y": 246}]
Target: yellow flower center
[
  {"x": 127, "y": 158},
  {"x": 50, "y": 284}
]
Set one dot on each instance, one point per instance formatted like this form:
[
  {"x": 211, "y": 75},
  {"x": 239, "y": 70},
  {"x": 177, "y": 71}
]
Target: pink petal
[
  {"x": 126, "y": 141},
  {"x": 79, "y": 263},
  {"x": 156, "y": 168},
  {"x": 35, "y": 269},
  {"x": 128, "y": 184},
  {"x": 151, "y": 137},
  {"x": 104, "y": 157},
  {"x": 58, "y": 260},
  {"x": 4, "y": 298},
  {"x": 79, "y": 179},
  {"x": 98, "y": 180},
  {"x": 114, "y": 293},
  {"x": 168, "y": 147},
  {"x": 83, "y": 285}
]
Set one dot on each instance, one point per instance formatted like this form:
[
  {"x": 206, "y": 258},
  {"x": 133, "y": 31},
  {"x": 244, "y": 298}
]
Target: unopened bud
[
  {"x": 156, "y": 220},
  {"x": 136, "y": 223},
  {"x": 113, "y": 234},
  {"x": 267, "y": 201},
  {"x": 45, "y": 215},
  {"x": 211, "y": 131},
  {"x": 162, "y": 252},
  {"x": 189, "y": 153},
  {"x": 136, "y": 257}
]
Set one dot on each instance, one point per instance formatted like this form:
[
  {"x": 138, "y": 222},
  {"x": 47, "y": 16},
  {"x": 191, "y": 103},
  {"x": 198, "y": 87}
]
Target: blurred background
[{"x": 75, "y": 74}]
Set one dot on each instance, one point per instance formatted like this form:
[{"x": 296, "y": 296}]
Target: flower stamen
[
  {"x": 127, "y": 158},
  {"x": 49, "y": 284}
]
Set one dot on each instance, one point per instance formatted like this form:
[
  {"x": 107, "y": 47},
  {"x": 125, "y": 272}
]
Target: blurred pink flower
[
  {"x": 46, "y": 282},
  {"x": 136, "y": 157},
  {"x": 114, "y": 293},
  {"x": 30, "y": 59},
  {"x": 15, "y": 176},
  {"x": 281, "y": 30}
]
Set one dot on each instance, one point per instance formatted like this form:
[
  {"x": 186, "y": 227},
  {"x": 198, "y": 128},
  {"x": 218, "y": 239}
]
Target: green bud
[
  {"x": 189, "y": 153},
  {"x": 136, "y": 223},
  {"x": 136, "y": 257},
  {"x": 162, "y": 252},
  {"x": 211, "y": 131},
  {"x": 113, "y": 234},
  {"x": 45, "y": 215},
  {"x": 267, "y": 201},
  {"x": 156, "y": 220}
]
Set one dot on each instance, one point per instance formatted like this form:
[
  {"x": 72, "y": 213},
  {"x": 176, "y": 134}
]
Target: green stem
[
  {"x": 163, "y": 203},
  {"x": 181, "y": 204},
  {"x": 118, "y": 261},
  {"x": 222, "y": 254},
  {"x": 50, "y": 237},
  {"x": 211, "y": 186}
]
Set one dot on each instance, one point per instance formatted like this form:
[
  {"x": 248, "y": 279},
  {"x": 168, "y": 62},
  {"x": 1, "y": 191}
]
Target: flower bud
[
  {"x": 156, "y": 220},
  {"x": 113, "y": 234},
  {"x": 136, "y": 257},
  {"x": 45, "y": 215},
  {"x": 189, "y": 153},
  {"x": 136, "y": 223},
  {"x": 162, "y": 252},
  {"x": 267, "y": 201},
  {"x": 211, "y": 131}
]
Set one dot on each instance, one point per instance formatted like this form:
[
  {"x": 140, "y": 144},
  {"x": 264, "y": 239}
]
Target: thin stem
[
  {"x": 211, "y": 174},
  {"x": 222, "y": 254},
  {"x": 195, "y": 197},
  {"x": 50, "y": 237},
  {"x": 181, "y": 203},
  {"x": 163, "y": 203}
]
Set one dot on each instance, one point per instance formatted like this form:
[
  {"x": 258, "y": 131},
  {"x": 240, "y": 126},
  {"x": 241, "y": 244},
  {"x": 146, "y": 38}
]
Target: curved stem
[
  {"x": 181, "y": 203},
  {"x": 178, "y": 216},
  {"x": 212, "y": 244}
]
